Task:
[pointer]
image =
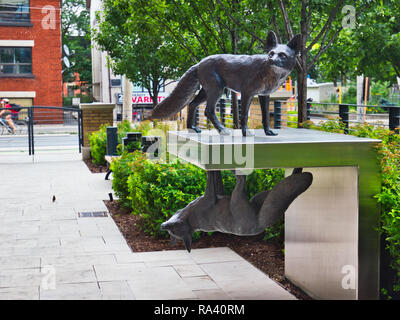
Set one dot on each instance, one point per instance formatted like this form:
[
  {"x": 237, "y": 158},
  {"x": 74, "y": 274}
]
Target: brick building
[{"x": 30, "y": 52}]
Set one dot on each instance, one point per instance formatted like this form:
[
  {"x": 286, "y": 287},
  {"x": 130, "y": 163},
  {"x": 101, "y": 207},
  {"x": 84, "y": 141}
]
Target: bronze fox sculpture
[
  {"x": 251, "y": 75},
  {"x": 235, "y": 214}
]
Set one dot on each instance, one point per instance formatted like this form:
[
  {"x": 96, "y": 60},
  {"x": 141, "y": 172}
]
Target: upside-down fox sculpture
[
  {"x": 251, "y": 75},
  {"x": 235, "y": 214}
]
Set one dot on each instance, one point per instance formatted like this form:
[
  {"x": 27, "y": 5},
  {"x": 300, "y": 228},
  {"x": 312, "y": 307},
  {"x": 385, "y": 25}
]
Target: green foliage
[
  {"x": 156, "y": 190},
  {"x": 98, "y": 141},
  {"x": 135, "y": 48},
  {"x": 377, "y": 41},
  {"x": 75, "y": 23},
  {"x": 98, "y": 145}
]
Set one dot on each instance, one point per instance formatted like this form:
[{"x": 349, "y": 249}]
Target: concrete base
[
  {"x": 85, "y": 153},
  {"x": 321, "y": 235}
]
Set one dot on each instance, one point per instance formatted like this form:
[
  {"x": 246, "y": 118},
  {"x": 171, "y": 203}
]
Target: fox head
[
  {"x": 178, "y": 228},
  {"x": 282, "y": 55}
]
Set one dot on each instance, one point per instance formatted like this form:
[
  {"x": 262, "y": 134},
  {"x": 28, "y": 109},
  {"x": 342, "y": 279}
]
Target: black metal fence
[
  {"x": 348, "y": 114},
  {"x": 43, "y": 120}
]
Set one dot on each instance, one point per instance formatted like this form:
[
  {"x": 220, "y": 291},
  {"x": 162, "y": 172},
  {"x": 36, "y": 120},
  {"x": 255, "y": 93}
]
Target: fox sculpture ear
[
  {"x": 272, "y": 41},
  {"x": 295, "y": 43}
]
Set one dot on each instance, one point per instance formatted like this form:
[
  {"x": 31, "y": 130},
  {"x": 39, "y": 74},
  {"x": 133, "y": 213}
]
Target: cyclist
[{"x": 8, "y": 115}]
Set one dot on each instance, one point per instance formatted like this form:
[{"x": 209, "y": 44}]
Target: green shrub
[
  {"x": 158, "y": 190},
  {"x": 155, "y": 190},
  {"x": 98, "y": 141},
  {"x": 98, "y": 145}
]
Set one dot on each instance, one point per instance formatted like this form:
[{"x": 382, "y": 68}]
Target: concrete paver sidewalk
[{"x": 48, "y": 252}]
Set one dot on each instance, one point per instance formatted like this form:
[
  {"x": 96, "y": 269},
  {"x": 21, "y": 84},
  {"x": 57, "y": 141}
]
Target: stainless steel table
[{"x": 331, "y": 237}]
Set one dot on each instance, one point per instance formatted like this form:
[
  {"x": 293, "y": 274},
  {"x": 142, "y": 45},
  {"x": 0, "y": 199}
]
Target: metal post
[
  {"x": 222, "y": 110},
  {"x": 277, "y": 114},
  {"x": 30, "y": 128},
  {"x": 112, "y": 141},
  {"x": 308, "y": 111},
  {"x": 196, "y": 118},
  {"x": 81, "y": 124},
  {"x": 80, "y": 140},
  {"x": 394, "y": 119},
  {"x": 29, "y": 132},
  {"x": 344, "y": 117}
]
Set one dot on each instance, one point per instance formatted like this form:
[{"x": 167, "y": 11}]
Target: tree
[
  {"x": 371, "y": 48},
  {"x": 377, "y": 38},
  {"x": 75, "y": 27},
  {"x": 146, "y": 57},
  {"x": 320, "y": 23},
  {"x": 340, "y": 61},
  {"x": 205, "y": 27}
]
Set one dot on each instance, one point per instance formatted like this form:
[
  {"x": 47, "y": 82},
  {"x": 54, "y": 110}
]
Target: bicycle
[{"x": 21, "y": 127}]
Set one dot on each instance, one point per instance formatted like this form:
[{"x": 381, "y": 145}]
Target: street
[{"x": 10, "y": 142}]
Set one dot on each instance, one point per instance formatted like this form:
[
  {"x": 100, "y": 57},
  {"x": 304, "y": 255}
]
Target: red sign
[{"x": 142, "y": 98}]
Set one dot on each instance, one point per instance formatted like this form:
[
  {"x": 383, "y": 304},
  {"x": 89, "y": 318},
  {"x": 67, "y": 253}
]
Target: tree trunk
[
  {"x": 127, "y": 103},
  {"x": 301, "y": 95}
]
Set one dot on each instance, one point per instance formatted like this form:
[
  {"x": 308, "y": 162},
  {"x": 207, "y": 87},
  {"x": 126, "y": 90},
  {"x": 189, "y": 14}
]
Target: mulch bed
[
  {"x": 265, "y": 255},
  {"x": 94, "y": 168}
]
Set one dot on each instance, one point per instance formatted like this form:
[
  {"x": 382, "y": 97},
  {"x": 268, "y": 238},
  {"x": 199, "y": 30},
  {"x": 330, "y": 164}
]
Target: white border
[
  {"x": 17, "y": 43},
  {"x": 18, "y": 94}
]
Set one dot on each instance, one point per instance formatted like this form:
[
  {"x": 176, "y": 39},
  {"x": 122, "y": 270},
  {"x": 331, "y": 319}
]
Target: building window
[
  {"x": 14, "y": 12},
  {"x": 15, "y": 61}
]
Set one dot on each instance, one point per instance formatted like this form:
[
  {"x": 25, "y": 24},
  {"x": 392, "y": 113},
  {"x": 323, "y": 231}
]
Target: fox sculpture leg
[
  {"x": 191, "y": 120},
  {"x": 213, "y": 86},
  {"x": 264, "y": 104},
  {"x": 236, "y": 214}
]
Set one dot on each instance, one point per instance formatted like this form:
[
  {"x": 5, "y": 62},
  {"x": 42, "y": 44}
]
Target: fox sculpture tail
[{"x": 179, "y": 97}]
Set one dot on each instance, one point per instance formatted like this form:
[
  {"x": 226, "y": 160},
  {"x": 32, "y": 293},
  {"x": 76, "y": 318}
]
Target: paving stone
[
  {"x": 254, "y": 290},
  {"x": 31, "y": 243},
  {"x": 80, "y": 242},
  {"x": 119, "y": 272},
  {"x": 200, "y": 283},
  {"x": 213, "y": 294},
  {"x": 68, "y": 274},
  {"x": 20, "y": 277},
  {"x": 167, "y": 255},
  {"x": 8, "y": 236},
  {"x": 79, "y": 260},
  {"x": 19, "y": 262},
  {"x": 94, "y": 248},
  {"x": 189, "y": 270},
  {"x": 161, "y": 283},
  {"x": 210, "y": 255},
  {"x": 72, "y": 291},
  {"x": 231, "y": 271},
  {"x": 164, "y": 263},
  {"x": 114, "y": 239},
  {"x": 19, "y": 293},
  {"x": 116, "y": 290}
]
